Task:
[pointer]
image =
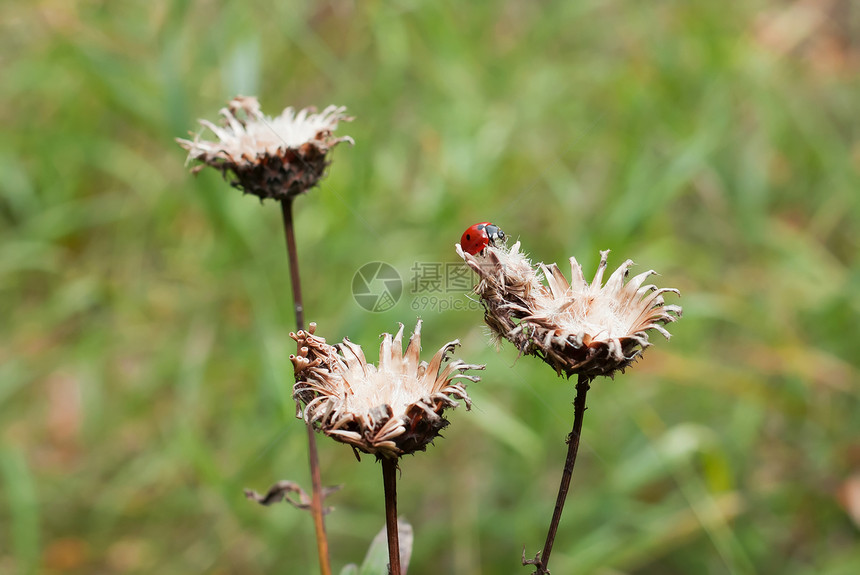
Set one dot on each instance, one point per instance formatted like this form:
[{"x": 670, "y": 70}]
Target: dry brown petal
[
  {"x": 389, "y": 409},
  {"x": 275, "y": 158},
  {"x": 577, "y": 327}
]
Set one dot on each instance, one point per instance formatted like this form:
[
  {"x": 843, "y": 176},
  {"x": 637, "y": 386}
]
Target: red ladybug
[{"x": 478, "y": 236}]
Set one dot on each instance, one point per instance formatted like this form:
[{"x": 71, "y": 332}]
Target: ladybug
[{"x": 478, "y": 236}]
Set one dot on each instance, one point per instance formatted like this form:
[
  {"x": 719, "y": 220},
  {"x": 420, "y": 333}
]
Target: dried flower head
[
  {"x": 577, "y": 327},
  {"x": 390, "y": 409},
  {"x": 276, "y": 157}
]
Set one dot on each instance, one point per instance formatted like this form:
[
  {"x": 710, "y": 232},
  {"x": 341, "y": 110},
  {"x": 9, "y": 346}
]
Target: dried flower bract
[
  {"x": 275, "y": 158},
  {"x": 577, "y": 327},
  {"x": 390, "y": 409}
]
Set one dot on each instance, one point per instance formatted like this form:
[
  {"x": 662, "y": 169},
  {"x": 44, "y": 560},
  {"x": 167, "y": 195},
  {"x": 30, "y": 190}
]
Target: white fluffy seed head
[{"x": 578, "y": 327}]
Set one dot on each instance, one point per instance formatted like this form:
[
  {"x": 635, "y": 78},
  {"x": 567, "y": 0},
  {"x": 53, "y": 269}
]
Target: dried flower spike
[
  {"x": 390, "y": 409},
  {"x": 577, "y": 327},
  {"x": 277, "y": 158}
]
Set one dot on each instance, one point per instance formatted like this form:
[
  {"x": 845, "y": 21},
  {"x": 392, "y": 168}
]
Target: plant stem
[
  {"x": 582, "y": 387},
  {"x": 316, "y": 481},
  {"x": 292, "y": 253},
  {"x": 389, "y": 482},
  {"x": 317, "y": 502}
]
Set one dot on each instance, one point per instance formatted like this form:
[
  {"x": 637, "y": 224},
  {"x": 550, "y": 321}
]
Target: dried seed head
[
  {"x": 577, "y": 327},
  {"x": 390, "y": 409},
  {"x": 276, "y": 157}
]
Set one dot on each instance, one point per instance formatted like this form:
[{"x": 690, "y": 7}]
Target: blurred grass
[{"x": 144, "y": 372}]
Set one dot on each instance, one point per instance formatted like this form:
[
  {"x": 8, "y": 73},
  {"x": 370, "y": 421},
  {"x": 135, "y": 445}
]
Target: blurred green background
[{"x": 144, "y": 371}]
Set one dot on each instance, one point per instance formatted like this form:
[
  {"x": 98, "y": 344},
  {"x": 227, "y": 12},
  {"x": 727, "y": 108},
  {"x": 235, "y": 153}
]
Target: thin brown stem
[
  {"x": 292, "y": 253},
  {"x": 389, "y": 482},
  {"x": 582, "y": 387},
  {"x": 317, "y": 503},
  {"x": 316, "y": 481}
]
